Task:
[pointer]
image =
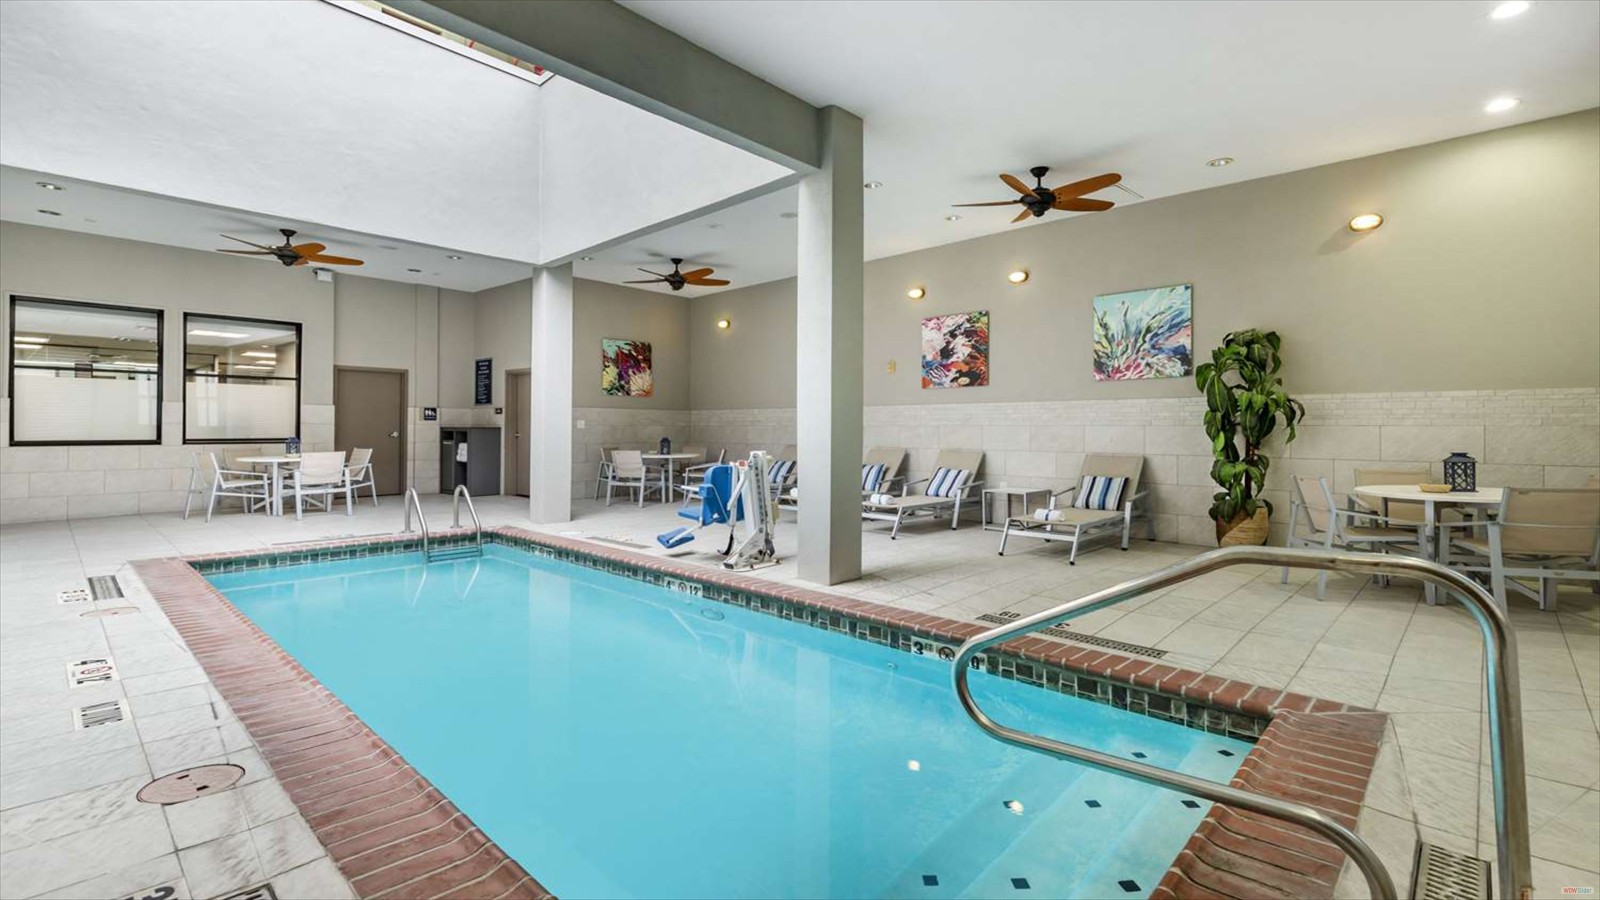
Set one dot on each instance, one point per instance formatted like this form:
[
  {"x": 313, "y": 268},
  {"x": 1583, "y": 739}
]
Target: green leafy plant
[{"x": 1241, "y": 412}]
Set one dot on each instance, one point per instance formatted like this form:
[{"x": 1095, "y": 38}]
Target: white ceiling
[
  {"x": 113, "y": 212},
  {"x": 955, "y": 92}
]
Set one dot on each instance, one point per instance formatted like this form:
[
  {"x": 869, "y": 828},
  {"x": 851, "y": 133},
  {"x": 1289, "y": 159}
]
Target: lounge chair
[
  {"x": 955, "y": 474},
  {"x": 880, "y": 469},
  {"x": 1106, "y": 499},
  {"x": 1547, "y": 535},
  {"x": 781, "y": 472}
]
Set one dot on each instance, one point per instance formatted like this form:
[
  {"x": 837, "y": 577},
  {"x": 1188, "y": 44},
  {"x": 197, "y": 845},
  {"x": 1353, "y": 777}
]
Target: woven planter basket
[{"x": 1244, "y": 532}]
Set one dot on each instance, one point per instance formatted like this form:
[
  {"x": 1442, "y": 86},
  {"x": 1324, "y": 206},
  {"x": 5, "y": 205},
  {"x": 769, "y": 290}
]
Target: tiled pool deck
[{"x": 64, "y": 801}]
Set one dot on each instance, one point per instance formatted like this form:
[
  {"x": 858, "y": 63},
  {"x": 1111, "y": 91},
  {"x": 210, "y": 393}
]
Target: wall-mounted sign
[
  {"x": 430, "y": 414},
  {"x": 483, "y": 382}
]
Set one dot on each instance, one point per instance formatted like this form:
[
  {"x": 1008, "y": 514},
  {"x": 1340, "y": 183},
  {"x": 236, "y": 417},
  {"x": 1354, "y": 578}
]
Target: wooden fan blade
[
  {"x": 646, "y": 281},
  {"x": 308, "y": 249},
  {"x": 697, "y": 273},
  {"x": 1022, "y": 215},
  {"x": 243, "y": 241},
  {"x": 1083, "y": 204},
  {"x": 301, "y": 261},
  {"x": 989, "y": 203},
  {"x": 331, "y": 260},
  {"x": 656, "y": 274},
  {"x": 248, "y": 252},
  {"x": 709, "y": 282},
  {"x": 1016, "y": 184},
  {"x": 1086, "y": 186}
]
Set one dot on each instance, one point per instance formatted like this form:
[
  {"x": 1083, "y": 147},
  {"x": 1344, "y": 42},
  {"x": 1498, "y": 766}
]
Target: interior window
[
  {"x": 241, "y": 380},
  {"x": 84, "y": 373}
]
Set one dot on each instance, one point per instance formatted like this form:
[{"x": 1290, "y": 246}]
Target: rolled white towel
[
  {"x": 1050, "y": 515},
  {"x": 794, "y": 493},
  {"x": 881, "y": 499}
]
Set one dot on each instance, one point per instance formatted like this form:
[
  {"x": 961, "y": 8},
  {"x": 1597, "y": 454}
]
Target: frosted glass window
[
  {"x": 241, "y": 380},
  {"x": 84, "y": 373}
]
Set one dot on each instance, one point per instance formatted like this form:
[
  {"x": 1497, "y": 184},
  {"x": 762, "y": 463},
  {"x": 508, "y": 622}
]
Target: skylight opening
[{"x": 461, "y": 45}]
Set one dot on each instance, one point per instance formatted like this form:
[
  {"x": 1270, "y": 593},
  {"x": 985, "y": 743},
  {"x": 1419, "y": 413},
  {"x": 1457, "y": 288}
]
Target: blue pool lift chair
[{"x": 716, "y": 506}]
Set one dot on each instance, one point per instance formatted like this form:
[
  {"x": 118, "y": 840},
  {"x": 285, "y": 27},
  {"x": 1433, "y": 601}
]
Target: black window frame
[
  {"x": 299, "y": 368},
  {"x": 11, "y": 369}
]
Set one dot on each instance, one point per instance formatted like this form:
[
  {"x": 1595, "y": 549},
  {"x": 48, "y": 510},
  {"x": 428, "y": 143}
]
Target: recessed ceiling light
[
  {"x": 49, "y": 186},
  {"x": 29, "y": 339},
  {"x": 1219, "y": 162},
  {"x": 789, "y": 215},
  {"x": 714, "y": 225},
  {"x": 1501, "y": 104},
  {"x": 416, "y": 271},
  {"x": 917, "y": 293},
  {"x": 1510, "y": 9},
  {"x": 232, "y": 335},
  {"x": 49, "y": 212},
  {"x": 260, "y": 354},
  {"x": 873, "y": 185},
  {"x": 451, "y": 256},
  {"x": 1018, "y": 277},
  {"x": 585, "y": 259},
  {"x": 1366, "y": 222},
  {"x": 387, "y": 247},
  {"x": 952, "y": 218}
]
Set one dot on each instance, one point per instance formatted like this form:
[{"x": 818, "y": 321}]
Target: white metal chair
[
  {"x": 1547, "y": 535},
  {"x": 253, "y": 488},
  {"x": 627, "y": 470},
  {"x": 361, "y": 475},
  {"x": 322, "y": 475},
  {"x": 1107, "y": 500},
  {"x": 955, "y": 474},
  {"x": 695, "y": 475},
  {"x": 1326, "y": 526}
]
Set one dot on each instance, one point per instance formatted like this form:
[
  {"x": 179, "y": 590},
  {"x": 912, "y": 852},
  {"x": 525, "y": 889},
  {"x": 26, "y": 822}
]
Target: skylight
[{"x": 384, "y": 14}]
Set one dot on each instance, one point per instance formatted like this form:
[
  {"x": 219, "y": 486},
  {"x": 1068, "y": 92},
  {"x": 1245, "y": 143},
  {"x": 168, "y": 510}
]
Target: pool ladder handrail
[
  {"x": 461, "y": 493},
  {"x": 1505, "y": 747},
  {"x": 415, "y": 502}
]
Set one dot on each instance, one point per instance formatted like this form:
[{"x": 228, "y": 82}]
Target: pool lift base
[{"x": 739, "y": 496}]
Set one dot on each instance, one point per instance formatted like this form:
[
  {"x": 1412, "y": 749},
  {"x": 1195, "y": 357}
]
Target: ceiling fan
[
  {"x": 1038, "y": 200},
  {"x": 291, "y": 254},
  {"x": 676, "y": 279}
]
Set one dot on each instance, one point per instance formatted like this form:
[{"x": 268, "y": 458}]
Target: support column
[
  {"x": 550, "y": 468},
  {"x": 829, "y": 326}
]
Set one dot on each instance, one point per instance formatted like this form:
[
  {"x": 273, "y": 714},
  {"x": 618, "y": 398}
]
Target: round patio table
[
  {"x": 1432, "y": 503},
  {"x": 671, "y": 460},
  {"x": 276, "y": 463}
]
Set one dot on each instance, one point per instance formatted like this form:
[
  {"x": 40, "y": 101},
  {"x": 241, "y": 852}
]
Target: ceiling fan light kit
[
  {"x": 677, "y": 279},
  {"x": 1038, "y": 200}
]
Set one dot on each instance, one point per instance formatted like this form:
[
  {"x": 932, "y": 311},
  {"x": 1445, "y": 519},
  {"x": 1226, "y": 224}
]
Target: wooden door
[
  {"x": 370, "y": 411},
  {"x": 519, "y": 408}
]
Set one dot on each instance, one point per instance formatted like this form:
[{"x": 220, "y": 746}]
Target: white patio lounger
[
  {"x": 954, "y": 476},
  {"x": 1107, "y": 500}
]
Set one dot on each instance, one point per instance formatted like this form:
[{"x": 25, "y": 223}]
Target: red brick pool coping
[{"x": 394, "y": 835}]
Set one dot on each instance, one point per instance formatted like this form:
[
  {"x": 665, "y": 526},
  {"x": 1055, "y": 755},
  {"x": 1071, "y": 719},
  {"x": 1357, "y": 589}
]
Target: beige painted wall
[
  {"x": 49, "y": 262},
  {"x": 1485, "y": 275}
]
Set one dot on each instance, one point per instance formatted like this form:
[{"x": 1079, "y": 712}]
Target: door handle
[{"x": 394, "y": 434}]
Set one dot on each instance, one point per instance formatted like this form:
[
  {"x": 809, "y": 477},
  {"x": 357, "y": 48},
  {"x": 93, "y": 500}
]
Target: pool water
[{"x": 624, "y": 740}]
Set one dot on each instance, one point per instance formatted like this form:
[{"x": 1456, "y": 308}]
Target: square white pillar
[
  {"x": 550, "y": 406},
  {"x": 829, "y": 326}
]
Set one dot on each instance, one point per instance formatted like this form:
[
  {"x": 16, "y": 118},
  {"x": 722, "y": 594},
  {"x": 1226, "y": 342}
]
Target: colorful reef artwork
[
  {"x": 625, "y": 368},
  {"x": 1144, "y": 334},
  {"x": 955, "y": 350}
]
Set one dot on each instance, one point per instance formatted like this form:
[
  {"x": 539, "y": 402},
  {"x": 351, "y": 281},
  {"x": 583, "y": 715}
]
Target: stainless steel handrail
[
  {"x": 1505, "y": 740},
  {"x": 477, "y": 526},
  {"x": 415, "y": 502}
]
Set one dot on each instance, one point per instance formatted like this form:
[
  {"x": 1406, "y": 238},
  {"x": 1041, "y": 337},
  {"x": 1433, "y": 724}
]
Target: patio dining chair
[
  {"x": 627, "y": 470},
  {"x": 361, "y": 474},
  {"x": 1315, "y": 521},
  {"x": 253, "y": 488},
  {"x": 319, "y": 478},
  {"x": 1543, "y": 535}
]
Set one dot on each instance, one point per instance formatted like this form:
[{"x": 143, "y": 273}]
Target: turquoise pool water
[{"x": 623, "y": 740}]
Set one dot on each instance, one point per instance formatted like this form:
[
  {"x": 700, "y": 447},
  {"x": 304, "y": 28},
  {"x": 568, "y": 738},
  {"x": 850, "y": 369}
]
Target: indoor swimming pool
[{"x": 620, "y": 739}]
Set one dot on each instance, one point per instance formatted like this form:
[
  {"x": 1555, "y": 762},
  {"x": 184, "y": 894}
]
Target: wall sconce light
[
  {"x": 1366, "y": 222},
  {"x": 724, "y": 324},
  {"x": 890, "y": 367},
  {"x": 1018, "y": 277},
  {"x": 917, "y": 293}
]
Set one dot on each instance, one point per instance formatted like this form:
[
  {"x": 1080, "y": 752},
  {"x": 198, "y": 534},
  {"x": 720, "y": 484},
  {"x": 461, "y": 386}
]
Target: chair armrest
[
  {"x": 905, "y": 487},
  {"x": 966, "y": 488},
  {"x": 1385, "y": 520},
  {"x": 247, "y": 473}
]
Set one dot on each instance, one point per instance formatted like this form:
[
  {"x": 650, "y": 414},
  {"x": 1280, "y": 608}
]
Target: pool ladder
[
  {"x": 413, "y": 502},
  {"x": 1505, "y": 740}
]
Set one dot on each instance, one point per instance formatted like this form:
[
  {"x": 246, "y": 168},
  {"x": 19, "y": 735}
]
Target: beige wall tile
[
  {"x": 14, "y": 485},
  {"x": 1569, "y": 476},
  {"x": 1431, "y": 442},
  {"x": 86, "y": 458},
  {"x": 66, "y": 484},
  {"x": 1180, "y": 440},
  {"x": 1336, "y": 442},
  {"x": 1549, "y": 445},
  {"x": 1056, "y": 437},
  {"x": 1113, "y": 439},
  {"x": 33, "y": 459}
]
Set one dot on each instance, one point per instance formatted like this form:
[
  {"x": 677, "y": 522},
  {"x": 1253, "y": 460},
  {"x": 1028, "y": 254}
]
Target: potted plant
[{"x": 1244, "y": 400}]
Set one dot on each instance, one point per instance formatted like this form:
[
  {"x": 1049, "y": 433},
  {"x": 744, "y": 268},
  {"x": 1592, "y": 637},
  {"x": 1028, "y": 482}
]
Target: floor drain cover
[
  {"x": 108, "y": 612},
  {"x": 1442, "y": 874},
  {"x": 191, "y": 784}
]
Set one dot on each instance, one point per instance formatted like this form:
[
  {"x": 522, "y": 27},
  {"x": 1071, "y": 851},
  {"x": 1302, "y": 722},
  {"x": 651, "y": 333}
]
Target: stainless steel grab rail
[
  {"x": 1505, "y": 743},
  {"x": 477, "y": 526},
  {"x": 415, "y": 502}
]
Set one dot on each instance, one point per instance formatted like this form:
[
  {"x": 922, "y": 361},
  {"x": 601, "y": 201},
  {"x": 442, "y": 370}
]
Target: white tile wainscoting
[
  {"x": 604, "y": 426},
  {"x": 1524, "y": 438},
  {"x": 47, "y": 483}
]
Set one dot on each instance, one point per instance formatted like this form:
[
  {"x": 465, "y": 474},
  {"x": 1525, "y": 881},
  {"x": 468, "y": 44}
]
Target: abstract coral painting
[
  {"x": 1144, "y": 334},
  {"x": 625, "y": 368},
  {"x": 955, "y": 350}
]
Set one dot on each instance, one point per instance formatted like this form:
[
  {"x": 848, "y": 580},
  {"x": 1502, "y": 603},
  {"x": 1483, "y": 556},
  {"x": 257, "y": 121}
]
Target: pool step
[{"x": 461, "y": 551}]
